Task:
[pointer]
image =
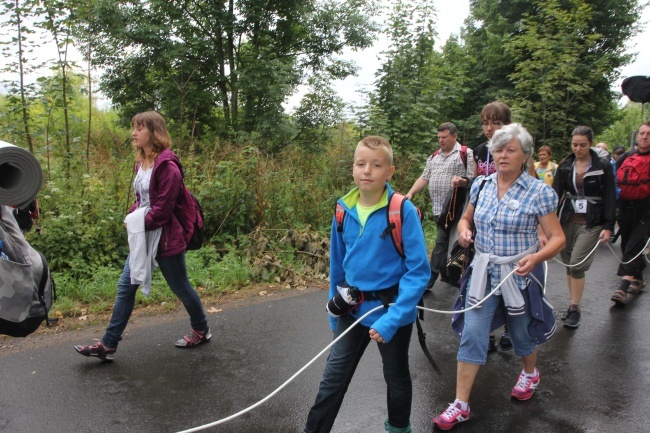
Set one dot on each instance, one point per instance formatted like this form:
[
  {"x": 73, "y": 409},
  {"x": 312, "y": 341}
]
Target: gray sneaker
[{"x": 572, "y": 319}]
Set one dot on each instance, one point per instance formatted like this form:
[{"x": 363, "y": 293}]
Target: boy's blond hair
[{"x": 376, "y": 142}]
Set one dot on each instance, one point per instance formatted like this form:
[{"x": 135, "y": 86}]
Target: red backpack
[
  {"x": 633, "y": 177},
  {"x": 393, "y": 216}
]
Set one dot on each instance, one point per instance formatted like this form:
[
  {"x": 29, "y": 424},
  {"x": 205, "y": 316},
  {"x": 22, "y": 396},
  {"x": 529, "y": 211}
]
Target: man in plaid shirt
[{"x": 444, "y": 170}]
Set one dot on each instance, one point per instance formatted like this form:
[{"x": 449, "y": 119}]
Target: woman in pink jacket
[{"x": 159, "y": 186}]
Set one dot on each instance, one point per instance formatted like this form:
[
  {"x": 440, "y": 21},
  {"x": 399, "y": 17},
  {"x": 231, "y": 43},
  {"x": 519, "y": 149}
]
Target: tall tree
[
  {"x": 512, "y": 44},
  {"x": 21, "y": 92},
  {"x": 404, "y": 106},
  {"x": 58, "y": 20},
  {"x": 319, "y": 110},
  {"x": 240, "y": 59}
]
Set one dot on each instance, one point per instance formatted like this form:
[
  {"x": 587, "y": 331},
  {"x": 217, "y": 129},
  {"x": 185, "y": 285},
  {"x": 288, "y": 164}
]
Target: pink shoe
[
  {"x": 452, "y": 416},
  {"x": 525, "y": 386}
]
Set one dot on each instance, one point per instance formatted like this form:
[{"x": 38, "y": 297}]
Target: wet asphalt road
[{"x": 594, "y": 379}]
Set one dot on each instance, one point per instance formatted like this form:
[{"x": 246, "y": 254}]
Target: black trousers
[{"x": 634, "y": 223}]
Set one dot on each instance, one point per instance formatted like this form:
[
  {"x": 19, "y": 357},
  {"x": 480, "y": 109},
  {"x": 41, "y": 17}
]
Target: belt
[
  {"x": 383, "y": 295},
  {"x": 590, "y": 199}
]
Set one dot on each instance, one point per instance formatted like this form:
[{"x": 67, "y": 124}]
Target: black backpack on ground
[{"x": 26, "y": 286}]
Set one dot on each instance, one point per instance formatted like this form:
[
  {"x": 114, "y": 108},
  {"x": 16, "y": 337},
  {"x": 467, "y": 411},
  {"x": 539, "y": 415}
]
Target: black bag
[
  {"x": 27, "y": 290},
  {"x": 452, "y": 209},
  {"x": 460, "y": 257},
  {"x": 458, "y": 262}
]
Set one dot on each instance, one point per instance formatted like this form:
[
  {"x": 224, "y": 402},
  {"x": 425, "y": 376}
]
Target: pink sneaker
[
  {"x": 452, "y": 416},
  {"x": 525, "y": 386}
]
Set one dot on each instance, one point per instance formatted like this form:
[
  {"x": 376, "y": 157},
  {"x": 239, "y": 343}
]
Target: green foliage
[
  {"x": 82, "y": 233},
  {"x": 404, "y": 106},
  {"x": 553, "y": 61},
  {"x": 268, "y": 182},
  {"x": 621, "y": 131},
  {"x": 319, "y": 111},
  {"x": 225, "y": 66}
]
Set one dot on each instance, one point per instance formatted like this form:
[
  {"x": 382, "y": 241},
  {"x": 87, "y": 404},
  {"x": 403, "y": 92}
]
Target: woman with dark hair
[
  {"x": 587, "y": 211},
  {"x": 161, "y": 202},
  {"x": 493, "y": 116}
]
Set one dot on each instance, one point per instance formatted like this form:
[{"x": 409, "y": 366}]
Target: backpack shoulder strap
[
  {"x": 339, "y": 213},
  {"x": 394, "y": 211},
  {"x": 394, "y": 216},
  {"x": 463, "y": 155}
]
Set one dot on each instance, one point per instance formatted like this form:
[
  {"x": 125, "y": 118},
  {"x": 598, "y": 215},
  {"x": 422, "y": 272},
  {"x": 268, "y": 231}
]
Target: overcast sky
[{"x": 451, "y": 15}]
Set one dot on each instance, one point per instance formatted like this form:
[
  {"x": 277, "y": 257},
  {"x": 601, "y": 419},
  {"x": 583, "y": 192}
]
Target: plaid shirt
[
  {"x": 508, "y": 227},
  {"x": 439, "y": 171}
]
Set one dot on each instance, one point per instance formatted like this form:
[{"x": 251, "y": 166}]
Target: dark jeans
[
  {"x": 175, "y": 273},
  {"x": 341, "y": 364},
  {"x": 439, "y": 254},
  {"x": 634, "y": 223}
]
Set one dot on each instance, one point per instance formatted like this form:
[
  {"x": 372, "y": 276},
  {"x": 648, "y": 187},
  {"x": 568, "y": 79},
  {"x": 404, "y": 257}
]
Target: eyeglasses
[{"x": 492, "y": 122}]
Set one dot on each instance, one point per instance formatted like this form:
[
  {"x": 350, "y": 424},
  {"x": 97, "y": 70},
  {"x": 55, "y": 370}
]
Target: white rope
[
  {"x": 635, "y": 257},
  {"x": 583, "y": 260},
  {"x": 478, "y": 304},
  {"x": 278, "y": 389}
]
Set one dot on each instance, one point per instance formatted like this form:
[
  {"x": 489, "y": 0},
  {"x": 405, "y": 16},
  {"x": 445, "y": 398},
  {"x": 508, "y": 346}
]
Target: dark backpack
[
  {"x": 633, "y": 177},
  {"x": 198, "y": 232},
  {"x": 27, "y": 289},
  {"x": 190, "y": 215},
  {"x": 393, "y": 216}
]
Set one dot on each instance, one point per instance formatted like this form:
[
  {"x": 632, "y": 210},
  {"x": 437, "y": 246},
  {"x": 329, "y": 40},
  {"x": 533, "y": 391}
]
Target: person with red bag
[{"x": 633, "y": 178}]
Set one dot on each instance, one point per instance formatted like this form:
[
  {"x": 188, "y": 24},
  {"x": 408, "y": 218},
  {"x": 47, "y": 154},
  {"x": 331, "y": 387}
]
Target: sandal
[
  {"x": 194, "y": 338},
  {"x": 620, "y": 297},
  {"x": 636, "y": 287},
  {"x": 98, "y": 350}
]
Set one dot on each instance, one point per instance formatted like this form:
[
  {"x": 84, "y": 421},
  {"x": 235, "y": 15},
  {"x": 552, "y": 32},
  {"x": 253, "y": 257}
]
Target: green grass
[{"x": 206, "y": 271}]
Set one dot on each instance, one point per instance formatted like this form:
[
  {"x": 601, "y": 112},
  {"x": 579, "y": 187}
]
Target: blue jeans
[
  {"x": 341, "y": 364},
  {"x": 476, "y": 331},
  {"x": 175, "y": 273}
]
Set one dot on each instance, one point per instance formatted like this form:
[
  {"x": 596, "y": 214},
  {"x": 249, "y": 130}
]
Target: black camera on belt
[{"x": 346, "y": 298}]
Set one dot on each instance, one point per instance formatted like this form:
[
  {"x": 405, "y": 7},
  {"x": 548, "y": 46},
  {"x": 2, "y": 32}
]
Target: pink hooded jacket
[{"x": 172, "y": 207}]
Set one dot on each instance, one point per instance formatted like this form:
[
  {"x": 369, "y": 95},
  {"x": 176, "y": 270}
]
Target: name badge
[{"x": 580, "y": 206}]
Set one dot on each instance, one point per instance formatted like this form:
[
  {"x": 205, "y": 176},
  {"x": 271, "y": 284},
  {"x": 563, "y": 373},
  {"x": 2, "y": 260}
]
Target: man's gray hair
[{"x": 504, "y": 135}]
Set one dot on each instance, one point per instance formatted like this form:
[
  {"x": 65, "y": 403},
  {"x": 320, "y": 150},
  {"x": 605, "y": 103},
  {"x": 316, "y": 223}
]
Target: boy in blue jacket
[{"x": 363, "y": 260}]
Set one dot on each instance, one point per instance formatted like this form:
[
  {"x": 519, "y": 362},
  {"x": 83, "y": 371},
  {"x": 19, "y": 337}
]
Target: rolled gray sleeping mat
[{"x": 21, "y": 176}]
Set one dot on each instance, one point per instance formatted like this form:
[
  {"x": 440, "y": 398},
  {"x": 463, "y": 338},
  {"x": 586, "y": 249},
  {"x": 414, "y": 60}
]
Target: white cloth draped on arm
[
  {"x": 512, "y": 297},
  {"x": 143, "y": 246}
]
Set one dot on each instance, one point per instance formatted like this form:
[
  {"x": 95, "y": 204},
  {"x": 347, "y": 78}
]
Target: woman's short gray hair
[{"x": 504, "y": 135}]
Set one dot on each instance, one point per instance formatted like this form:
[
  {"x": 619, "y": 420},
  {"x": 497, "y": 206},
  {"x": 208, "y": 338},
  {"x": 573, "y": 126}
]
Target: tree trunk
[
  {"x": 23, "y": 98},
  {"x": 90, "y": 89},
  {"x": 234, "y": 91},
  {"x": 221, "y": 82}
]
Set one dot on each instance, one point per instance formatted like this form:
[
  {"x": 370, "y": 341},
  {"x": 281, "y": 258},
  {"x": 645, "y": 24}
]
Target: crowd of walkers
[{"x": 514, "y": 215}]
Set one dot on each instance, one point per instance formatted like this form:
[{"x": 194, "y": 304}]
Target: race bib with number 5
[{"x": 580, "y": 206}]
